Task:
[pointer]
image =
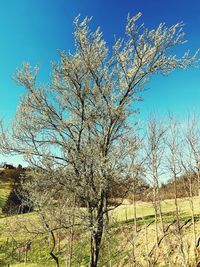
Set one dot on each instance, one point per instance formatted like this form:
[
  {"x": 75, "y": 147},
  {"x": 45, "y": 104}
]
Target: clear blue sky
[{"x": 35, "y": 30}]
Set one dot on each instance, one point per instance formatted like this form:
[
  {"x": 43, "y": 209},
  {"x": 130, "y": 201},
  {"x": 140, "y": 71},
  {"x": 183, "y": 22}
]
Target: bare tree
[
  {"x": 173, "y": 143},
  {"x": 192, "y": 138},
  {"x": 77, "y": 125},
  {"x": 54, "y": 210},
  {"x": 190, "y": 165},
  {"x": 154, "y": 162},
  {"x": 136, "y": 170}
]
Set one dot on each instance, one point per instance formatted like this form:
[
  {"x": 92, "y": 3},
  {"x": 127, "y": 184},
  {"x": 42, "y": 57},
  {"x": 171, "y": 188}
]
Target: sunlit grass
[
  {"x": 124, "y": 213},
  {"x": 32, "y": 265},
  {"x": 29, "y": 265},
  {"x": 146, "y": 209}
]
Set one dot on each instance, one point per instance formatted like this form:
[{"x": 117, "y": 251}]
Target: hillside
[{"x": 124, "y": 244}]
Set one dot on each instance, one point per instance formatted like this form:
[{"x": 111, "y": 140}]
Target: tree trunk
[
  {"x": 71, "y": 242},
  {"x": 155, "y": 214},
  {"x": 135, "y": 228},
  {"x": 177, "y": 218},
  {"x": 26, "y": 252},
  {"x": 55, "y": 258},
  {"x": 193, "y": 217},
  {"x": 97, "y": 233},
  {"x": 52, "y": 249},
  {"x": 95, "y": 248},
  {"x": 198, "y": 177}
]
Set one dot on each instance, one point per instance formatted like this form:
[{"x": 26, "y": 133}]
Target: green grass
[
  {"x": 122, "y": 215},
  {"x": 2, "y": 201},
  {"x": 5, "y": 188},
  {"x": 28, "y": 265},
  {"x": 125, "y": 212},
  {"x": 31, "y": 265}
]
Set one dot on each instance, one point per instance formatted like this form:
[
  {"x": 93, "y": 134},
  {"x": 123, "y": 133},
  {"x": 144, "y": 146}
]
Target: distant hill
[{"x": 183, "y": 187}]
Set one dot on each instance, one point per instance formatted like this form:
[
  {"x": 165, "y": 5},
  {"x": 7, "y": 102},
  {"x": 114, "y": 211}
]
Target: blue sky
[{"x": 35, "y": 30}]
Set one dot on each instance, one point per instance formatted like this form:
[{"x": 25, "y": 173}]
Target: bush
[{"x": 17, "y": 202}]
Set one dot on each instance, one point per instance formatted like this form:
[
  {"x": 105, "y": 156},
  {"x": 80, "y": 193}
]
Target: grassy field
[
  {"x": 120, "y": 237},
  {"x": 145, "y": 209}
]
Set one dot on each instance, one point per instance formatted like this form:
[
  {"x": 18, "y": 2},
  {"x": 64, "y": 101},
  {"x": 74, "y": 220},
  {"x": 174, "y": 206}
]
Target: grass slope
[
  {"x": 123, "y": 215},
  {"x": 145, "y": 209}
]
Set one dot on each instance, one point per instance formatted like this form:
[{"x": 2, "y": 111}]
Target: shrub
[{"x": 17, "y": 202}]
